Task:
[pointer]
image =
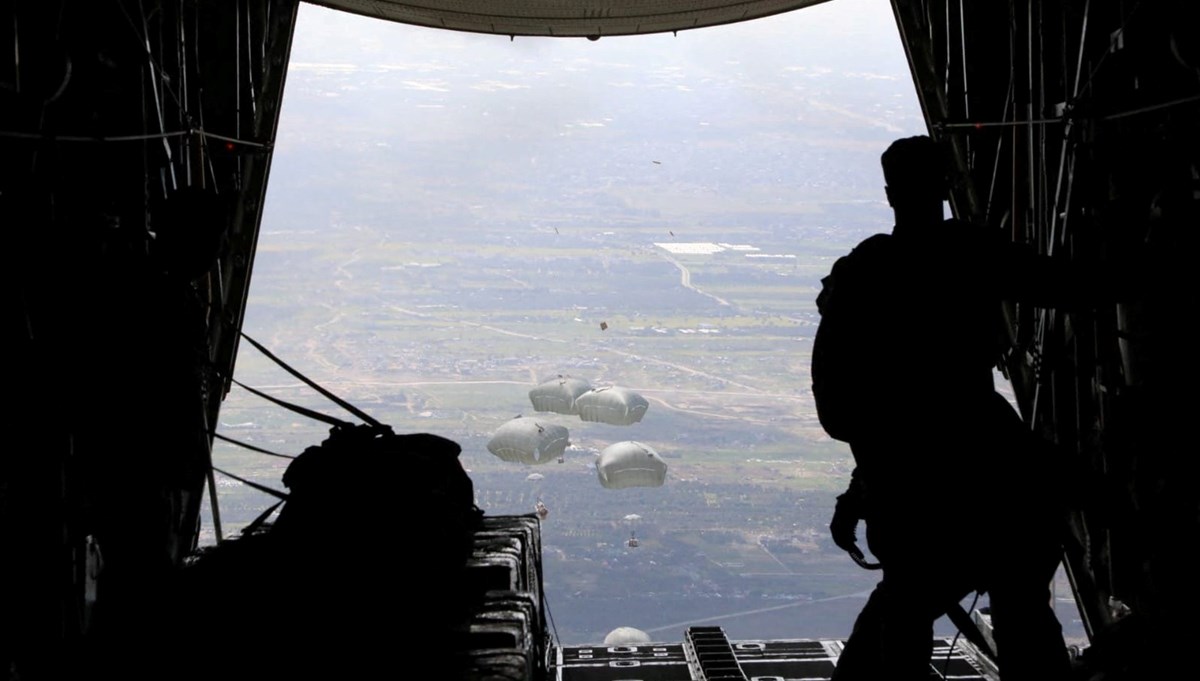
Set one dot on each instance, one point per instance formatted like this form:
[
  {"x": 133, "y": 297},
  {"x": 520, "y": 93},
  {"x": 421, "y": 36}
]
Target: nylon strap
[
  {"x": 251, "y": 447},
  {"x": 312, "y": 384},
  {"x": 262, "y": 488},
  {"x": 336, "y": 422}
]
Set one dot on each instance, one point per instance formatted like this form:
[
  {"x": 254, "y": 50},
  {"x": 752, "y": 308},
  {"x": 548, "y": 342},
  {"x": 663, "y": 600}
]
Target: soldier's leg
[
  {"x": 863, "y": 650},
  {"x": 1029, "y": 639}
]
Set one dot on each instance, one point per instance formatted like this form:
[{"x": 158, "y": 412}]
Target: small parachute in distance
[
  {"x": 558, "y": 395},
  {"x": 534, "y": 477},
  {"x": 626, "y": 636},
  {"x": 630, "y": 464},
  {"x": 612, "y": 405},
  {"x": 528, "y": 440}
]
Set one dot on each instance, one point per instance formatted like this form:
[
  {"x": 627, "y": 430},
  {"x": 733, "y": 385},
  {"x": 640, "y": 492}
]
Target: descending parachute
[
  {"x": 626, "y": 636},
  {"x": 630, "y": 464},
  {"x": 528, "y": 440},
  {"x": 534, "y": 477},
  {"x": 613, "y": 405},
  {"x": 631, "y": 520},
  {"x": 558, "y": 395}
]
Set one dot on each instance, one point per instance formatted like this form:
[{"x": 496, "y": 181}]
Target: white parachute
[
  {"x": 529, "y": 440},
  {"x": 612, "y": 405},
  {"x": 630, "y": 464},
  {"x": 626, "y": 636}
]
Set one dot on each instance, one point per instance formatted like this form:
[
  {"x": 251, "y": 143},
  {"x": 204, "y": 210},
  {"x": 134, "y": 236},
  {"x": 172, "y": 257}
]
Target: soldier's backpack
[{"x": 845, "y": 370}]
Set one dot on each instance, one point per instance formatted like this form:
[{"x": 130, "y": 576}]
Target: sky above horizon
[{"x": 775, "y": 112}]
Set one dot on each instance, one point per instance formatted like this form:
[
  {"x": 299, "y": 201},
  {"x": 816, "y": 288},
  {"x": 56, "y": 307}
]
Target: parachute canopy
[
  {"x": 529, "y": 440},
  {"x": 626, "y": 636},
  {"x": 630, "y": 464},
  {"x": 613, "y": 405},
  {"x": 558, "y": 395},
  {"x": 534, "y": 477}
]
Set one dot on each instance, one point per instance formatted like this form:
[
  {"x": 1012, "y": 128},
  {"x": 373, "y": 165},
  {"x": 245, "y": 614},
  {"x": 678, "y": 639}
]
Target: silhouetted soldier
[{"x": 955, "y": 491}]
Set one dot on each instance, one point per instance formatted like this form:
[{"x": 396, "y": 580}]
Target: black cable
[
  {"x": 542, "y": 590},
  {"x": 46, "y": 137},
  {"x": 954, "y": 641},
  {"x": 312, "y": 384},
  {"x": 262, "y": 488},
  {"x": 144, "y": 45},
  {"x": 1153, "y": 107},
  {"x": 252, "y": 447},
  {"x": 1114, "y": 37},
  {"x": 305, "y": 411},
  {"x": 260, "y": 520},
  {"x": 554, "y": 629}
]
